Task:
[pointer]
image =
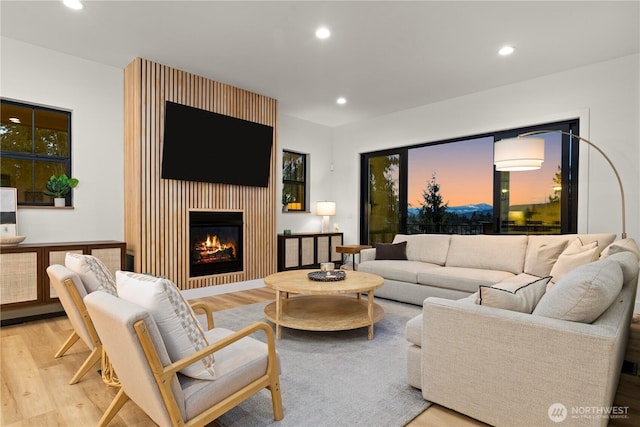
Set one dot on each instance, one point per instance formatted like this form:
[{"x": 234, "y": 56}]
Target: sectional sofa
[
  {"x": 454, "y": 266},
  {"x": 554, "y": 356}
]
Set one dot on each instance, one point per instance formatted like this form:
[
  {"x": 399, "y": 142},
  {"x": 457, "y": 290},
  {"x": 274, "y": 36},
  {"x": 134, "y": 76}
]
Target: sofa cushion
[
  {"x": 461, "y": 279},
  {"x": 432, "y": 248},
  {"x": 94, "y": 274},
  {"x": 502, "y": 253},
  {"x": 413, "y": 330},
  {"x": 574, "y": 255},
  {"x": 603, "y": 239},
  {"x": 403, "y": 271},
  {"x": 514, "y": 297},
  {"x": 584, "y": 293},
  {"x": 628, "y": 263},
  {"x": 622, "y": 245},
  {"x": 543, "y": 252},
  {"x": 176, "y": 321},
  {"x": 386, "y": 251}
]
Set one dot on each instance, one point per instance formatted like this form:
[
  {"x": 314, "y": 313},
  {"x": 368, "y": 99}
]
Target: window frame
[
  {"x": 569, "y": 171},
  {"x": 35, "y": 157},
  {"x": 303, "y": 183}
]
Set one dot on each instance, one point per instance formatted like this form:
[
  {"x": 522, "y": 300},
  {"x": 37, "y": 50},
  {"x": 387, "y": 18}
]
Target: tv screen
[{"x": 208, "y": 147}]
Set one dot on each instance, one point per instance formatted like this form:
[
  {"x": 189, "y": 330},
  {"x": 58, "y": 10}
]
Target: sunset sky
[{"x": 464, "y": 171}]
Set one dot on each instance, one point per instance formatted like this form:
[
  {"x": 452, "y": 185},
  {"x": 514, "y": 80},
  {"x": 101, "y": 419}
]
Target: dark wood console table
[
  {"x": 308, "y": 250},
  {"x": 26, "y": 293}
]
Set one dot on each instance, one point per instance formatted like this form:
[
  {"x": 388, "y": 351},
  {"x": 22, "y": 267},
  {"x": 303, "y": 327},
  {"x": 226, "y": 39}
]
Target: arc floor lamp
[{"x": 523, "y": 153}]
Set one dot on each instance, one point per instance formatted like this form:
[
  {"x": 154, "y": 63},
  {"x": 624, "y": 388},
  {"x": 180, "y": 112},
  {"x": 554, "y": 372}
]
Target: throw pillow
[
  {"x": 176, "y": 321},
  {"x": 94, "y": 274},
  {"x": 540, "y": 260},
  {"x": 584, "y": 293},
  {"x": 575, "y": 255},
  {"x": 391, "y": 250},
  {"x": 512, "y": 296}
]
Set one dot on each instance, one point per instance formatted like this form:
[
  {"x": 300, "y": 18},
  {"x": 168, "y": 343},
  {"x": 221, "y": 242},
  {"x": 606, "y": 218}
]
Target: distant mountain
[{"x": 465, "y": 210}]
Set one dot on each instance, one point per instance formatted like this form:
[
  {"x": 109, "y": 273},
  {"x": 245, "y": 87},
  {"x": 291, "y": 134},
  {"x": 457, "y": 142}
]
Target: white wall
[
  {"x": 94, "y": 94},
  {"x": 605, "y": 96},
  {"x": 315, "y": 140}
]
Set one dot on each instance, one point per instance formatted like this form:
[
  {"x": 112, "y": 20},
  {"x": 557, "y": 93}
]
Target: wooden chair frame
[
  {"x": 163, "y": 376},
  {"x": 109, "y": 376},
  {"x": 96, "y": 353}
]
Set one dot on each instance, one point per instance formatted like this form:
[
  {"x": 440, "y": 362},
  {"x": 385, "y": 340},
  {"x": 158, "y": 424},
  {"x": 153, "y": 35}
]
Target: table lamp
[{"x": 325, "y": 209}]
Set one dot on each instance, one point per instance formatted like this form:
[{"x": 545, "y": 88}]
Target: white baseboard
[{"x": 222, "y": 289}]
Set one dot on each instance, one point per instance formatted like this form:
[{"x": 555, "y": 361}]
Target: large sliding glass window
[
  {"x": 452, "y": 187},
  {"x": 382, "y": 213}
]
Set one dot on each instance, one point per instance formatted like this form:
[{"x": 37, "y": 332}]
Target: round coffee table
[{"x": 323, "y": 306}]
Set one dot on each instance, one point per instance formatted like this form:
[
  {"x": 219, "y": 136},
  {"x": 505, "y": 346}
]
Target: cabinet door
[
  {"x": 111, "y": 258},
  {"x": 57, "y": 257},
  {"x": 336, "y": 240},
  {"x": 307, "y": 251},
  {"x": 291, "y": 252},
  {"x": 323, "y": 249},
  {"x": 19, "y": 277}
]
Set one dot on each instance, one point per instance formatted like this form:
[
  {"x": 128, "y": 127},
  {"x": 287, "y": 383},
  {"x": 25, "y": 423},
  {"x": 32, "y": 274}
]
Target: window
[
  {"x": 294, "y": 181},
  {"x": 35, "y": 144},
  {"x": 452, "y": 187}
]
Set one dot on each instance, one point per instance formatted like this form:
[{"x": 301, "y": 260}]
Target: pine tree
[{"x": 432, "y": 211}]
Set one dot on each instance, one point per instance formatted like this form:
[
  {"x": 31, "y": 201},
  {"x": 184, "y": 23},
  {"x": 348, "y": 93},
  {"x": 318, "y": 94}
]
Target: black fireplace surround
[{"x": 215, "y": 242}]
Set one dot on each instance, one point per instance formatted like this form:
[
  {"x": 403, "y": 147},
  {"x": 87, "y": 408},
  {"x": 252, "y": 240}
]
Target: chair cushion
[
  {"x": 574, "y": 255},
  {"x": 583, "y": 294},
  {"x": 236, "y": 366},
  {"x": 176, "y": 321},
  {"x": 513, "y": 296},
  {"x": 94, "y": 274}
]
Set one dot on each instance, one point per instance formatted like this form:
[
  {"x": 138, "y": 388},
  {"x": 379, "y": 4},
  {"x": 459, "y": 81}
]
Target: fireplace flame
[{"x": 213, "y": 249}]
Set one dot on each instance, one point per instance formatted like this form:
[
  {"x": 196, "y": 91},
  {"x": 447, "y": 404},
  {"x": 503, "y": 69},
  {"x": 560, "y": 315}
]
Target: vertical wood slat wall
[{"x": 157, "y": 210}]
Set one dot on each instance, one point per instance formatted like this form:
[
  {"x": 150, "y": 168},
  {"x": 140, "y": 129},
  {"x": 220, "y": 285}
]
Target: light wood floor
[{"x": 35, "y": 389}]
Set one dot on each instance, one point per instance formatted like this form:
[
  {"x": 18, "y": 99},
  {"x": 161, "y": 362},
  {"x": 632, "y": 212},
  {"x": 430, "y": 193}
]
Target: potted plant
[
  {"x": 286, "y": 199},
  {"x": 58, "y": 187}
]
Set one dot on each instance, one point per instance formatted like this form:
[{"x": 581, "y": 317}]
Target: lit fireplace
[{"x": 215, "y": 242}]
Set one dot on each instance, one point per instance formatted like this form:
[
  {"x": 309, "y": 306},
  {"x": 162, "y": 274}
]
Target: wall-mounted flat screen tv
[{"x": 208, "y": 147}]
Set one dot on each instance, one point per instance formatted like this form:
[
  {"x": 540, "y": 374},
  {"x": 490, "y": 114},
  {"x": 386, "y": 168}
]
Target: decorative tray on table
[{"x": 327, "y": 276}]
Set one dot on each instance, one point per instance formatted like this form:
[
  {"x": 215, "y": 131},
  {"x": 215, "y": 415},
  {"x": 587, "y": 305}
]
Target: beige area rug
[{"x": 335, "y": 378}]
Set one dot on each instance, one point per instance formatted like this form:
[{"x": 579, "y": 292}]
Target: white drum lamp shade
[{"x": 518, "y": 154}]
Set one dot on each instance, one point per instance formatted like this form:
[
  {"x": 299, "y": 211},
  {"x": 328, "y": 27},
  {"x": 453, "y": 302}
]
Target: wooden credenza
[
  {"x": 308, "y": 250},
  {"x": 25, "y": 291}
]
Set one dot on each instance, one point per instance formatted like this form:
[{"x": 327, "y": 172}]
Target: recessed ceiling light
[
  {"x": 506, "y": 50},
  {"x": 14, "y": 119},
  {"x": 341, "y": 101},
  {"x": 323, "y": 33},
  {"x": 73, "y": 4}
]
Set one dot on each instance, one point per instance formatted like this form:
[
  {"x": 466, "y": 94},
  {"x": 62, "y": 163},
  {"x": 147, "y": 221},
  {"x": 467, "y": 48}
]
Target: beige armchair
[{"x": 243, "y": 366}]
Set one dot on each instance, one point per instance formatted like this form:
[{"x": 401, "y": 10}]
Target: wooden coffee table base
[{"x": 324, "y": 313}]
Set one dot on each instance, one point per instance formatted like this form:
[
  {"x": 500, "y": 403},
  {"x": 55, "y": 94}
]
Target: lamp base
[{"x": 325, "y": 224}]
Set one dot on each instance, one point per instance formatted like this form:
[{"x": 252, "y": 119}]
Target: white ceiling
[{"x": 382, "y": 56}]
